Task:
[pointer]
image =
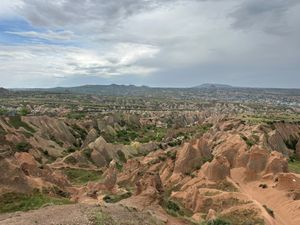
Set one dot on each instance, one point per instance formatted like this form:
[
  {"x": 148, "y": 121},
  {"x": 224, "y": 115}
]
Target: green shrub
[
  {"x": 23, "y": 147},
  {"x": 218, "y": 222},
  {"x": 87, "y": 153},
  {"x": 24, "y": 111},
  {"x": 121, "y": 156},
  {"x": 172, "y": 206},
  {"x": 16, "y": 122}
]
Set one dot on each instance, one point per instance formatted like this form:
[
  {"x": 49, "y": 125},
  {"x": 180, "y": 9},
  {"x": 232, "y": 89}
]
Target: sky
[{"x": 162, "y": 43}]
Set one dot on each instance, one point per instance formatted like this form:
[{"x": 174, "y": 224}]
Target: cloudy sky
[{"x": 175, "y": 43}]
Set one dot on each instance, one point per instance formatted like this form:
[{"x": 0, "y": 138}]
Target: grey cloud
[
  {"x": 102, "y": 13},
  {"x": 266, "y": 15}
]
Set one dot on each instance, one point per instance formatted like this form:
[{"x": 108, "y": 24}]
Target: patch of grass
[
  {"x": 294, "y": 166},
  {"x": 16, "y": 122},
  {"x": 76, "y": 115},
  {"x": 221, "y": 204},
  {"x": 80, "y": 176},
  {"x": 242, "y": 217},
  {"x": 12, "y": 202},
  {"x": 100, "y": 218},
  {"x": 70, "y": 160},
  {"x": 171, "y": 154},
  {"x": 53, "y": 138}
]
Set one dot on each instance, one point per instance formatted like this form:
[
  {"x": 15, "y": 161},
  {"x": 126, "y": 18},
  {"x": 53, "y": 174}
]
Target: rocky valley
[{"x": 186, "y": 162}]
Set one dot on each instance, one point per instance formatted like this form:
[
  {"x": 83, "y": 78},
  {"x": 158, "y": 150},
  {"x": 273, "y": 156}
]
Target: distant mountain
[
  {"x": 3, "y": 91},
  {"x": 208, "y": 85}
]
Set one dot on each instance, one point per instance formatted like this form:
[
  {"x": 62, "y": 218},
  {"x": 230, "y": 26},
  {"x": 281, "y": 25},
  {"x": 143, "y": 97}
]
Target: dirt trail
[{"x": 286, "y": 210}]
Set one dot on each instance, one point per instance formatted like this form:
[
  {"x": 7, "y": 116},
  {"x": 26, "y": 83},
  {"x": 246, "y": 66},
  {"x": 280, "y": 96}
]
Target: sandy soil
[{"x": 286, "y": 210}]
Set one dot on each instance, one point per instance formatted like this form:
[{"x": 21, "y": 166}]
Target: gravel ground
[{"x": 76, "y": 214}]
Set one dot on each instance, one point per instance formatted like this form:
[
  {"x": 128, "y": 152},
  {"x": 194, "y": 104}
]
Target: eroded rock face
[
  {"x": 218, "y": 169},
  {"x": 276, "y": 143},
  {"x": 13, "y": 179},
  {"x": 297, "y": 152},
  {"x": 288, "y": 181},
  {"x": 150, "y": 185},
  {"x": 277, "y": 163},
  {"x": 231, "y": 148},
  {"x": 191, "y": 157},
  {"x": 51, "y": 127},
  {"x": 91, "y": 136},
  {"x": 257, "y": 160}
]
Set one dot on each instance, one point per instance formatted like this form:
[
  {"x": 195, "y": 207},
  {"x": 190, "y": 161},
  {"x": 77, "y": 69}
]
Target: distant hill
[
  {"x": 3, "y": 91},
  {"x": 208, "y": 85}
]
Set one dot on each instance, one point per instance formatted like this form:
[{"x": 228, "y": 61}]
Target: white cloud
[
  {"x": 43, "y": 61},
  {"x": 49, "y": 35}
]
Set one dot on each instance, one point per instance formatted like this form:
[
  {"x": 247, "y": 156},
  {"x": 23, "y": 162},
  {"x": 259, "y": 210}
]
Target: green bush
[
  {"x": 218, "y": 222},
  {"x": 16, "y": 122},
  {"x": 23, "y": 147}
]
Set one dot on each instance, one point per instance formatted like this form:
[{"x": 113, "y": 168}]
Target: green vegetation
[
  {"x": 3, "y": 112},
  {"x": 87, "y": 152},
  {"x": 12, "y": 202},
  {"x": 54, "y": 139},
  {"x": 270, "y": 119},
  {"x": 71, "y": 160},
  {"x": 23, "y": 147},
  {"x": 294, "y": 166},
  {"x": 246, "y": 216},
  {"x": 174, "y": 208},
  {"x": 121, "y": 156},
  {"x": 116, "y": 198},
  {"x": 80, "y": 176},
  {"x": 249, "y": 141},
  {"x": 16, "y": 122},
  {"x": 100, "y": 218},
  {"x": 76, "y": 115},
  {"x": 70, "y": 149},
  {"x": 24, "y": 111},
  {"x": 171, "y": 155},
  {"x": 79, "y": 132},
  {"x": 217, "y": 221}
]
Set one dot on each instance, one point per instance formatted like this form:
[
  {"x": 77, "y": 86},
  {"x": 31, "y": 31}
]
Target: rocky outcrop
[
  {"x": 276, "y": 143},
  {"x": 261, "y": 162},
  {"x": 51, "y": 128},
  {"x": 91, "y": 136},
  {"x": 218, "y": 169},
  {"x": 191, "y": 157},
  {"x": 288, "y": 181}
]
